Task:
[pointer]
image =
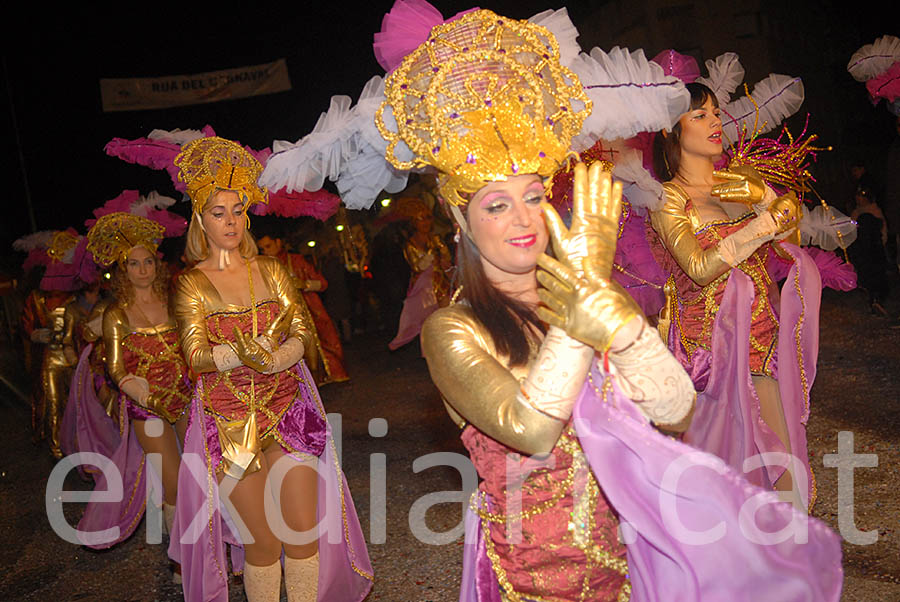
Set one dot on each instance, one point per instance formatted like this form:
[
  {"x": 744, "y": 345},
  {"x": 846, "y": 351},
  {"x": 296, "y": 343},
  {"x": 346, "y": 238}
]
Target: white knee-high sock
[
  {"x": 262, "y": 583},
  {"x": 301, "y": 577}
]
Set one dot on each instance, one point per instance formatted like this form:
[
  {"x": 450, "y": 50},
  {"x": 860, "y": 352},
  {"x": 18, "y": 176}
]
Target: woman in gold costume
[
  {"x": 257, "y": 421},
  {"x": 143, "y": 360},
  {"x": 429, "y": 261},
  {"x": 505, "y": 113},
  {"x": 714, "y": 224}
]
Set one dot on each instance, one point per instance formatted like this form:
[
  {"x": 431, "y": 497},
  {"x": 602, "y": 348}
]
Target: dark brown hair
[
  {"x": 510, "y": 322},
  {"x": 667, "y": 149}
]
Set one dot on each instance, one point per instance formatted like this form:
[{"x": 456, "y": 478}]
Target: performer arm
[
  {"x": 190, "y": 315},
  {"x": 70, "y": 318},
  {"x": 674, "y": 227},
  {"x": 527, "y": 416},
  {"x": 115, "y": 329},
  {"x": 299, "y": 333},
  {"x": 651, "y": 376}
]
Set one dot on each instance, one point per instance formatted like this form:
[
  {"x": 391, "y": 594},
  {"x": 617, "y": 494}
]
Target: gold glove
[
  {"x": 280, "y": 325},
  {"x": 786, "y": 212},
  {"x": 596, "y": 206},
  {"x": 251, "y": 352},
  {"x": 589, "y": 309},
  {"x": 154, "y": 402},
  {"x": 743, "y": 185}
]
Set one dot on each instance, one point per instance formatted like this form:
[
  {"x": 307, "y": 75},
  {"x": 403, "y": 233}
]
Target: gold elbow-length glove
[{"x": 578, "y": 294}]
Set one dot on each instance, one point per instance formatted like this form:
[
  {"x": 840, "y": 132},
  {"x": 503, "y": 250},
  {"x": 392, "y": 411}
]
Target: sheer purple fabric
[{"x": 727, "y": 420}]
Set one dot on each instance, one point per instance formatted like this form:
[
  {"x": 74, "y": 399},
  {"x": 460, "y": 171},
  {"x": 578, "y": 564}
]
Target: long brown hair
[
  {"x": 667, "y": 149},
  {"x": 510, "y": 322}
]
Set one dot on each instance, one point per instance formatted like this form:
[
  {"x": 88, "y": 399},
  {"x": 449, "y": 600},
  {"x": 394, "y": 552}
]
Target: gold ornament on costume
[
  {"x": 61, "y": 243},
  {"x": 484, "y": 98},
  {"x": 210, "y": 164},
  {"x": 116, "y": 234}
]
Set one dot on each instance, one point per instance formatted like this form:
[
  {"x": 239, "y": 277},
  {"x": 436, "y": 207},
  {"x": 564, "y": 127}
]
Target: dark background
[{"x": 53, "y": 60}]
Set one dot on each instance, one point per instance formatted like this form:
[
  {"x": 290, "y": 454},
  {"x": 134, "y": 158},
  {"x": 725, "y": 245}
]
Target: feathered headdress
[{"x": 878, "y": 65}]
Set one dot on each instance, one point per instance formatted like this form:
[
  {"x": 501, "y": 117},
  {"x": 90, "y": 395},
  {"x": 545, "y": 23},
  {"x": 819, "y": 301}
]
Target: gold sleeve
[
  {"x": 115, "y": 329},
  {"x": 287, "y": 294},
  {"x": 478, "y": 387},
  {"x": 190, "y": 315},
  {"x": 70, "y": 318},
  {"x": 674, "y": 227}
]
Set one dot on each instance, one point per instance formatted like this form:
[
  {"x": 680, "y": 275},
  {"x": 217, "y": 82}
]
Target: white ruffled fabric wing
[
  {"x": 305, "y": 164},
  {"x": 630, "y": 95},
  {"x": 366, "y": 172},
  {"x": 826, "y": 228},
  {"x": 777, "y": 96},
  {"x": 565, "y": 32},
  {"x": 641, "y": 189},
  {"x": 344, "y": 147},
  {"x": 725, "y": 74},
  {"x": 873, "y": 59}
]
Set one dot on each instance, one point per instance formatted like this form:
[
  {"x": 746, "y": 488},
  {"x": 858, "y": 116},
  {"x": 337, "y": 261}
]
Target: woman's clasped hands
[{"x": 578, "y": 294}]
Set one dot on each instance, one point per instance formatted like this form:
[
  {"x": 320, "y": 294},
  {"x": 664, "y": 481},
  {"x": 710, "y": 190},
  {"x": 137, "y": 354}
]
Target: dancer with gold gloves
[
  {"x": 716, "y": 228},
  {"x": 570, "y": 374},
  {"x": 257, "y": 423},
  {"x": 144, "y": 361}
]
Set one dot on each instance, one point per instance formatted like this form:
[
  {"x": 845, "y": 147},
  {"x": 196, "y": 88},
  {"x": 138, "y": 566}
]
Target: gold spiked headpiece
[
  {"x": 484, "y": 98},
  {"x": 116, "y": 234},
  {"x": 210, "y": 164}
]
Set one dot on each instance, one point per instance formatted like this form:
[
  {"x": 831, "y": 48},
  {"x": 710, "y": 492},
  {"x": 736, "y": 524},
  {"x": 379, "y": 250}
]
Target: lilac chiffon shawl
[
  {"x": 202, "y": 524},
  {"x": 695, "y": 529},
  {"x": 727, "y": 421},
  {"x": 106, "y": 523}
]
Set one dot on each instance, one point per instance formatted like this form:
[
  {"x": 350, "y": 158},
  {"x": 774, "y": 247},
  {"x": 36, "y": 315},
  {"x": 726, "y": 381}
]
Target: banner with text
[{"x": 138, "y": 93}]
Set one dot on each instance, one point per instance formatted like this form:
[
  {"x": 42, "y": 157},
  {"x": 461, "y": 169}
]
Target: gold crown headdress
[
  {"x": 116, "y": 234},
  {"x": 62, "y": 242},
  {"x": 484, "y": 98},
  {"x": 210, "y": 164}
]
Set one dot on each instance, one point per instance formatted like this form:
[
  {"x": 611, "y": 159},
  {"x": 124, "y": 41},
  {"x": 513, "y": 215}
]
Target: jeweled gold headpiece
[
  {"x": 116, "y": 234},
  {"x": 484, "y": 98},
  {"x": 62, "y": 242},
  {"x": 210, "y": 164}
]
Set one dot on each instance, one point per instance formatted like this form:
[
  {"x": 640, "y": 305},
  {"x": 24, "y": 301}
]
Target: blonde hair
[{"x": 196, "y": 248}]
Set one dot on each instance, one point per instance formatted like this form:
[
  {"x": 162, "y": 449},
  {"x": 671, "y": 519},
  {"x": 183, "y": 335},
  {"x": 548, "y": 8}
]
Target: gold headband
[
  {"x": 210, "y": 164},
  {"x": 484, "y": 98},
  {"x": 114, "y": 235}
]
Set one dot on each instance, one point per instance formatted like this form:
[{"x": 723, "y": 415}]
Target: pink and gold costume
[
  {"x": 564, "y": 514},
  {"x": 148, "y": 352},
  {"x": 697, "y": 305},
  {"x": 721, "y": 353},
  {"x": 288, "y": 413}
]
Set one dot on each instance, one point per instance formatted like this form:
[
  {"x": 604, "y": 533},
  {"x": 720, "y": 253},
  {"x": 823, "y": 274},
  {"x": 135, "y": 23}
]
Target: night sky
[{"x": 53, "y": 61}]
